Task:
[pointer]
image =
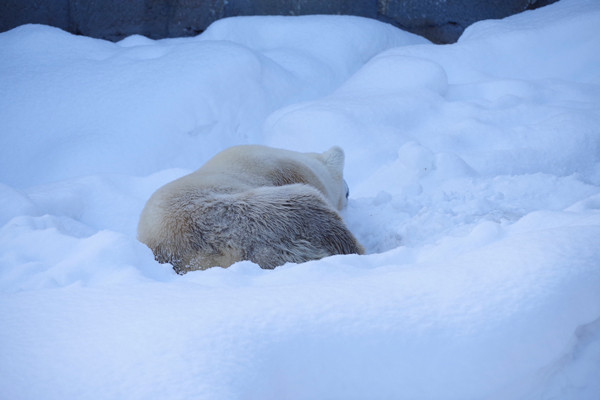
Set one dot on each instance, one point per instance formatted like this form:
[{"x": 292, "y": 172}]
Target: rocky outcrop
[{"x": 441, "y": 21}]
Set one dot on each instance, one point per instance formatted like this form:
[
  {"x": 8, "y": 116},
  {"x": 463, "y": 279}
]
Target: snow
[{"x": 474, "y": 173}]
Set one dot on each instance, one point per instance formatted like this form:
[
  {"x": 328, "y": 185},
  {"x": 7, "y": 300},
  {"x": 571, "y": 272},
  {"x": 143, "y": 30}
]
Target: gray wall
[{"x": 439, "y": 21}]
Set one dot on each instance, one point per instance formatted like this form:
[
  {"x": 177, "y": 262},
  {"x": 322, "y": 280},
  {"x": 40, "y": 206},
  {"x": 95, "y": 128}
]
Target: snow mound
[{"x": 474, "y": 176}]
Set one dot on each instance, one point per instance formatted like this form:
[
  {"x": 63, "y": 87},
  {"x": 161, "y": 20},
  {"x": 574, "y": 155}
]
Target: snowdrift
[{"x": 474, "y": 172}]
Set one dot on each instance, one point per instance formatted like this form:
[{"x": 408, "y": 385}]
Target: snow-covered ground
[{"x": 474, "y": 171}]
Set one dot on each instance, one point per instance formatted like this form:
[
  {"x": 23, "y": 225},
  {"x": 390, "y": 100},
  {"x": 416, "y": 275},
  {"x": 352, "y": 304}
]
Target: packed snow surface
[{"x": 474, "y": 171}]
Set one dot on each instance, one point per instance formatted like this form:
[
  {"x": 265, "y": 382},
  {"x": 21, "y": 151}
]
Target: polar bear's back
[
  {"x": 257, "y": 166},
  {"x": 266, "y": 225}
]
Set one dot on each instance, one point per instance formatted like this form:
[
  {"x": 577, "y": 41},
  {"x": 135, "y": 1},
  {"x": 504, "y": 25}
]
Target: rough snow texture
[{"x": 475, "y": 187}]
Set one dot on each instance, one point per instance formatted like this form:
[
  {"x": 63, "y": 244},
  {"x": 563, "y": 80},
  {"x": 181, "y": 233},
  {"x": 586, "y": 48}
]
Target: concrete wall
[{"x": 442, "y": 21}]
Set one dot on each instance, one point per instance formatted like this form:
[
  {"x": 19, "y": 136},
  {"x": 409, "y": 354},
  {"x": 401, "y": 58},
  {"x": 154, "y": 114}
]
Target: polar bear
[{"x": 257, "y": 203}]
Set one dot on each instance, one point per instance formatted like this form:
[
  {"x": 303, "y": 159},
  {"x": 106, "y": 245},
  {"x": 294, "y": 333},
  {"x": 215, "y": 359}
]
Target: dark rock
[
  {"x": 14, "y": 13},
  {"x": 191, "y": 17},
  {"x": 301, "y": 7},
  {"x": 441, "y": 21}
]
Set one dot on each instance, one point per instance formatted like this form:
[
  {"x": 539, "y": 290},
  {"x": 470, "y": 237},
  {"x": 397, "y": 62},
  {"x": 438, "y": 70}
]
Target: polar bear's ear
[{"x": 334, "y": 158}]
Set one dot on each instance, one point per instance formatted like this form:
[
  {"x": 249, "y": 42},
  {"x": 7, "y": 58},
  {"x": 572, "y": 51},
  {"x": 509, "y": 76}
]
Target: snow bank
[
  {"x": 171, "y": 103},
  {"x": 474, "y": 173}
]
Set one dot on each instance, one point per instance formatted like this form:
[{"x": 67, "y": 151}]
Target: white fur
[{"x": 251, "y": 202}]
